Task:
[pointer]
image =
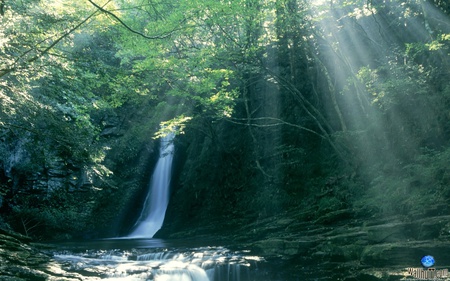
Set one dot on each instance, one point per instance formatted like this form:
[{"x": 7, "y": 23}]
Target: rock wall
[{"x": 43, "y": 189}]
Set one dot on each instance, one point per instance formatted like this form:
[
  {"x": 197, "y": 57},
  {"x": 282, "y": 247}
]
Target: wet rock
[
  {"x": 276, "y": 247},
  {"x": 335, "y": 216},
  {"x": 18, "y": 260},
  {"x": 386, "y": 243},
  {"x": 405, "y": 253},
  {"x": 24, "y": 273},
  {"x": 346, "y": 236},
  {"x": 17, "y": 236},
  {"x": 431, "y": 228},
  {"x": 390, "y": 232},
  {"x": 15, "y": 252},
  {"x": 421, "y": 229}
]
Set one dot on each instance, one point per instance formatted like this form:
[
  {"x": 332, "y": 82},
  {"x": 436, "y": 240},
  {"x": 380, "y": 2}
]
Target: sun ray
[{"x": 379, "y": 57}]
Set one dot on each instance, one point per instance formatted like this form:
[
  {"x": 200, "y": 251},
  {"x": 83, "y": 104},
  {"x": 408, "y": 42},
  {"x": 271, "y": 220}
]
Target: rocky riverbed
[{"x": 340, "y": 246}]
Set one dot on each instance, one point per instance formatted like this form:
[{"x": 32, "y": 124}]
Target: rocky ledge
[
  {"x": 20, "y": 260},
  {"x": 341, "y": 246},
  {"x": 352, "y": 249}
]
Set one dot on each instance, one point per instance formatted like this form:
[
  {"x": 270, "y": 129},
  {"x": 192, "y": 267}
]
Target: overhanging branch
[{"x": 128, "y": 27}]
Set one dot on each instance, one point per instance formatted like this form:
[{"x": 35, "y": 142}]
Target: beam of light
[{"x": 383, "y": 95}]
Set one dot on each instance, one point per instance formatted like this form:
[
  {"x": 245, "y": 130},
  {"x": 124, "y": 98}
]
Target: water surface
[{"x": 156, "y": 259}]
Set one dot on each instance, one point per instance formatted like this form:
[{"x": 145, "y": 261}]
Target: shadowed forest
[{"x": 312, "y": 111}]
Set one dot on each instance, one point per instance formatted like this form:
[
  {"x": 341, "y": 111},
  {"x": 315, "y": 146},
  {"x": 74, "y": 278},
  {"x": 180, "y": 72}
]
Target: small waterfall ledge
[{"x": 194, "y": 264}]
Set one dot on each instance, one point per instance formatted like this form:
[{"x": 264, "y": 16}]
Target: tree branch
[
  {"x": 279, "y": 123},
  {"x": 2, "y": 7},
  {"x": 128, "y": 27},
  {"x": 8, "y": 70}
]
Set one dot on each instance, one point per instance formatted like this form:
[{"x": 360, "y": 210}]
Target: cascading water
[
  {"x": 155, "y": 205},
  {"x": 189, "y": 264}
]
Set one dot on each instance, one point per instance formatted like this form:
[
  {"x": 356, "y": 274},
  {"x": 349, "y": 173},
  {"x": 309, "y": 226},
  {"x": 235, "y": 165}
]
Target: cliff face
[{"x": 48, "y": 193}]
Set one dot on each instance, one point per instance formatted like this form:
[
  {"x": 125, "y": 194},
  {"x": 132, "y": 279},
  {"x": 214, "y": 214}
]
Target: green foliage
[
  {"x": 412, "y": 190},
  {"x": 195, "y": 66},
  {"x": 57, "y": 216},
  {"x": 282, "y": 94},
  {"x": 45, "y": 91},
  {"x": 395, "y": 85},
  {"x": 177, "y": 124}
]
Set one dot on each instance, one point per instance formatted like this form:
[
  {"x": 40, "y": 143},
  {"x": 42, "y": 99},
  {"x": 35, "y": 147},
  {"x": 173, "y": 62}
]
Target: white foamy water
[
  {"x": 155, "y": 205},
  {"x": 197, "y": 264}
]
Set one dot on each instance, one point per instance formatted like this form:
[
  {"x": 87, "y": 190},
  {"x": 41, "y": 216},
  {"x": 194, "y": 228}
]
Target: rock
[
  {"x": 431, "y": 228},
  {"x": 21, "y": 261},
  {"x": 335, "y": 216},
  {"x": 18, "y": 260},
  {"x": 276, "y": 247},
  {"x": 24, "y": 273},
  {"x": 390, "y": 232},
  {"x": 111, "y": 126},
  {"x": 9, "y": 234},
  {"x": 405, "y": 253},
  {"x": 285, "y": 221}
]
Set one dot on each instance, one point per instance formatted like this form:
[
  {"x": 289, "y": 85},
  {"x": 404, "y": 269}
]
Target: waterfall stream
[
  {"x": 155, "y": 205},
  {"x": 188, "y": 264}
]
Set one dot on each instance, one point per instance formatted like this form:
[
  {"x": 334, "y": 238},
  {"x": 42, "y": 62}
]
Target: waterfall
[{"x": 155, "y": 205}]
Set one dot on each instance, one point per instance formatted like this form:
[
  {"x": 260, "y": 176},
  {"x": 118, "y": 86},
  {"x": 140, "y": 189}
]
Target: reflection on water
[
  {"x": 140, "y": 243},
  {"x": 154, "y": 259},
  {"x": 117, "y": 243}
]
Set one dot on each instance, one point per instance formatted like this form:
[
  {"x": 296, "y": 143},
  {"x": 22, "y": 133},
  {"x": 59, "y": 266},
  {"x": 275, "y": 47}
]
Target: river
[
  {"x": 156, "y": 259},
  {"x": 200, "y": 260}
]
